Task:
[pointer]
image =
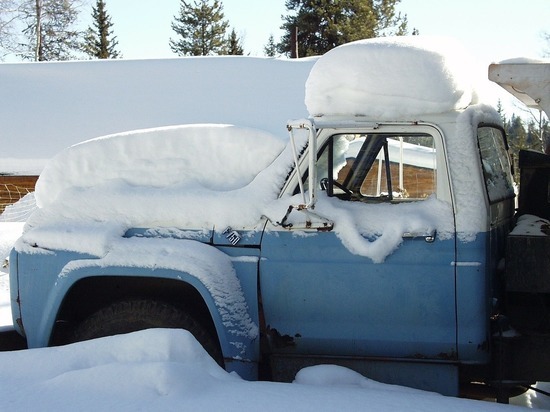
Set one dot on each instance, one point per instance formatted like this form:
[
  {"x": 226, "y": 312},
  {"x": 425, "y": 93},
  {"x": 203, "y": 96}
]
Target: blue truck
[{"x": 397, "y": 254}]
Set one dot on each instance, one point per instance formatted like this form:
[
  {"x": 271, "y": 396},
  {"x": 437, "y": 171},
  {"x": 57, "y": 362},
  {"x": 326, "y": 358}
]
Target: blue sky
[{"x": 492, "y": 29}]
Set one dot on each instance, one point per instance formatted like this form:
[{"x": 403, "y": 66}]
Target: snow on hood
[
  {"x": 390, "y": 78},
  {"x": 194, "y": 176},
  {"x": 213, "y": 157}
]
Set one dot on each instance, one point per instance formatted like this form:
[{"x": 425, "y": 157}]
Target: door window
[
  {"x": 378, "y": 167},
  {"x": 495, "y": 163}
]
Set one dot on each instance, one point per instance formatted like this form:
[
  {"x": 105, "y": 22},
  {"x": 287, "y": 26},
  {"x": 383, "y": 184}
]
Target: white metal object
[{"x": 528, "y": 81}]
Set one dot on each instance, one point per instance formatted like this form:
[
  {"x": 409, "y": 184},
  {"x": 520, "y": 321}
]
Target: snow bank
[
  {"x": 76, "y": 101},
  {"x": 168, "y": 370},
  {"x": 393, "y": 78}
]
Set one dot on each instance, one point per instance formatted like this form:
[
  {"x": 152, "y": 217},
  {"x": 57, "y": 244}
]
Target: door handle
[{"x": 428, "y": 236}]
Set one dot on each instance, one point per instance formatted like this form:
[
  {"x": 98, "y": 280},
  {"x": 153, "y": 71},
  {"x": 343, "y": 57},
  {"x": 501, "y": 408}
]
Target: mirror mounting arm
[{"x": 305, "y": 124}]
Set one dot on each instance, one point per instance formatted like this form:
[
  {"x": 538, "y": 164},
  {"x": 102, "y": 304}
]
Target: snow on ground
[{"x": 168, "y": 370}]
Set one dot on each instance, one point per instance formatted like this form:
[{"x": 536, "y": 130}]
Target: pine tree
[
  {"x": 325, "y": 24},
  {"x": 500, "y": 111},
  {"x": 99, "y": 42},
  {"x": 270, "y": 49},
  {"x": 200, "y": 29},
  {"x": 234, "y": 46},
  {"x": 50, "y": 29},
  {"x": 517, "y": 139}
]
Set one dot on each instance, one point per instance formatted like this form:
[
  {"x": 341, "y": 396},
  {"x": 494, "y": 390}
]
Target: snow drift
[{"x": 168, "y": 370}]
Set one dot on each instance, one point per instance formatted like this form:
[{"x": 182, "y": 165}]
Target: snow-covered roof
[
  {"x": 393, "y": 78},
  {"x": 48, "y": 106}
]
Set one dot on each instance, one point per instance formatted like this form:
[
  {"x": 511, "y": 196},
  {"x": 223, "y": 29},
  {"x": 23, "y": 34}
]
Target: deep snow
[{"x": 168, "y": 370}]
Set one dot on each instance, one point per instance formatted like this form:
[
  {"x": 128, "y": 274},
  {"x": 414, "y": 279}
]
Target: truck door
[{"x": 361, "y": 289}]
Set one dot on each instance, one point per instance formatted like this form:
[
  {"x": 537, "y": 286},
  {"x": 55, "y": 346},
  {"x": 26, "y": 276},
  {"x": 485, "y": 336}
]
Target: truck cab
[{"x": 400, "y": 278}]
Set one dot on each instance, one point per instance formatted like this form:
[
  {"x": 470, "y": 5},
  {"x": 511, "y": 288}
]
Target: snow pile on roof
[{"x": 393, "y": 78}]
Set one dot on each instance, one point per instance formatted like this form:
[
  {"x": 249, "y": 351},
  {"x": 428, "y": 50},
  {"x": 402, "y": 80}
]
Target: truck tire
[{"x": 133, "y": 315}]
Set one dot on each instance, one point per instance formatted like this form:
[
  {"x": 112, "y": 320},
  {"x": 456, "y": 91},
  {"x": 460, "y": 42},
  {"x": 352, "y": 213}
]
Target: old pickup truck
[{"x": 382, "y": 235}]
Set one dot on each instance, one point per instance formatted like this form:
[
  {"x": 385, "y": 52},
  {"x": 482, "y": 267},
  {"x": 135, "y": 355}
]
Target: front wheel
[{"x": 133, "y": 315}]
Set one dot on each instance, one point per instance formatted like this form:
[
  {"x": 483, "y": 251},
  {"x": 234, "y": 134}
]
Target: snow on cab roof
[{"x": 393, "y": 78}]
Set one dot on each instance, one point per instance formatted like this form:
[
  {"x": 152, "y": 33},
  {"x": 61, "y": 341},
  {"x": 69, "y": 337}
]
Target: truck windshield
[{"x": 378, "y": 167}]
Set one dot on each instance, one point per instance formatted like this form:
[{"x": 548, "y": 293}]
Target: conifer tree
[
  {"x": 99, "y": 42},
  {"x": 234, "y": 46},
  {"x": 200, "y": 29},
  {"x": 324, "y": 24},
  {"x": 517, "y": 139},
  {"x": 270, "y": 49}
]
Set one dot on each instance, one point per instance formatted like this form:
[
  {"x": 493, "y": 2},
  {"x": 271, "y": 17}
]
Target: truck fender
[{"x": 219, "y": 288}]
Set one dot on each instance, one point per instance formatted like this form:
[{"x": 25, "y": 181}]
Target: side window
[
  {"x": 378, "y": 167},
  {"x": 496, "y": 164}
]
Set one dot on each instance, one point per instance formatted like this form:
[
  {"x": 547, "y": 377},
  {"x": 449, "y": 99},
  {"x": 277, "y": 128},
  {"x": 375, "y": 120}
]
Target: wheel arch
[
  {"x": 217, "y": 303},
  {"x": 89, "y": 294}
]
